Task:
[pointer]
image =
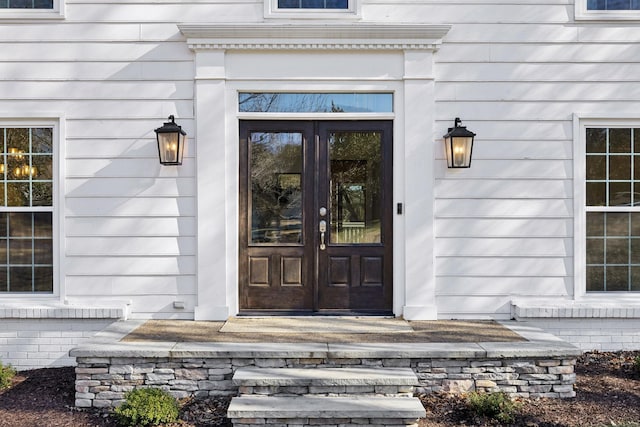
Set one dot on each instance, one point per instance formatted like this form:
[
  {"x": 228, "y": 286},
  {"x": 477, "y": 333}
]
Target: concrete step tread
[
  {"x": 325, "y": 407},
  {"x": 252, "y": 376}
]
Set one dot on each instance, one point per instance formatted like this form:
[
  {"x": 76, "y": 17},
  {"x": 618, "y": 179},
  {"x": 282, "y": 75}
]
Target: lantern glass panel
[
  {"x": 458, "y": 151},
  {"x": 169, "y": 147}
]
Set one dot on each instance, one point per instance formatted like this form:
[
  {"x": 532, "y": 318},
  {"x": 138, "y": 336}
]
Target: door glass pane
[
  {"x": 355, "y": 192},
  {"x": 276, "y": 187}
]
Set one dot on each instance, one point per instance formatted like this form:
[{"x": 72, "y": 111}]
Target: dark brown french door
[{"x": 316, "y": 217}]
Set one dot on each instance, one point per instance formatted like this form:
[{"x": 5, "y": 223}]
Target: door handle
[{"x": 322, "y": 227}]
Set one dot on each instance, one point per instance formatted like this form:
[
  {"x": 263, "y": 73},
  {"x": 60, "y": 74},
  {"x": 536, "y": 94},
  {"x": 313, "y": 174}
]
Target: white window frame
[
  {"x": 580, "y": 124},
  {"x": 56, "y": 122},
  {"x": 56, "y": 13},
  {"x": 271, "y": 10},
  {"x": 582, "y": 14}
]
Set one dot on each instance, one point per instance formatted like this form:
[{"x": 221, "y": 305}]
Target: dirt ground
[{"x": 608, "y": 394}]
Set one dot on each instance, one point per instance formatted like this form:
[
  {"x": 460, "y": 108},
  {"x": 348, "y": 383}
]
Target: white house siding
[
  {"x": 515, "y": 71},
  {"x": 516, "y": 74},
  {"x": 129, "y": 223}
]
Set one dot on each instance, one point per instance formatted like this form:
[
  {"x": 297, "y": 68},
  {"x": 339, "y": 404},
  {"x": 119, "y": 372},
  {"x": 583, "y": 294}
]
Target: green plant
[
  {"x": 636, "y": 364},
  {"x": 497, "y": 406},
  {"x": 147, "y": 406},
  {"x": 6, "y": 375}
]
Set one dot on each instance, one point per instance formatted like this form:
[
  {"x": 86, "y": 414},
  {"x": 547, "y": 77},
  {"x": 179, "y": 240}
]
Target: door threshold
[{"x": 323, "y": 313}]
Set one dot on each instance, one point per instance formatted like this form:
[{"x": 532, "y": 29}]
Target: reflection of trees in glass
[
  {"x": 612, "y": 167},
  {"x": 276, "y": 191},
  {"x": 283, "y": 102},
  {"x": 257, "y": 102},
  {"x": 26, "y": 168},
  {"x": 42, "y": 140},
  {"x": 356, "y": 174},
  {"x": 26, "y": 252},
  {"x": 315, "y": 102}
]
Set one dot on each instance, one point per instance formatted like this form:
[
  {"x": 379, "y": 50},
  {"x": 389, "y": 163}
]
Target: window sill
[
  {"x": 610, "y": 15},
  {"x": 320, "y": 16},
  {"x": 26, "y": 15},
  {"x": 58, "y": 310},
  {"x": 586, "y": 308}
]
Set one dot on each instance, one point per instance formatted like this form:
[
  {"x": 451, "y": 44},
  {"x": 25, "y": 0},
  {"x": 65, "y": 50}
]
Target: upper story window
[
  {"x": 313, "y": 4},
  {"x": 26, "y": 4},
  {"x": 607, "y": 9},
  {"x": 311, "y": 9},
  {"x": 613, "y": 4},
  {"x": 31, "y": 9}
]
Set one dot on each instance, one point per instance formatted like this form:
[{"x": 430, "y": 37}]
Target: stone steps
[
  {"x": 396, "y": 382},
  {"x": 325, "y": 397}
]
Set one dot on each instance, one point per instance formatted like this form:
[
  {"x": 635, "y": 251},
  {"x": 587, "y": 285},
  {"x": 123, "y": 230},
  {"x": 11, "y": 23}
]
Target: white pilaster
[
  {"x": 211, "y": 186},
  {"x": 420, "y": 289}
]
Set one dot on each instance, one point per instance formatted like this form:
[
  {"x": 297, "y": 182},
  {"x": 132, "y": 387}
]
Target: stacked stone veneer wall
[{"x": 102, "y": 382}]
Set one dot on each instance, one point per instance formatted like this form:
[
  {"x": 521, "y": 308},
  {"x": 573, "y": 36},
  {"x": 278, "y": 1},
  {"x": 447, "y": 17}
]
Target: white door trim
[{"x": 222, "y": 53}]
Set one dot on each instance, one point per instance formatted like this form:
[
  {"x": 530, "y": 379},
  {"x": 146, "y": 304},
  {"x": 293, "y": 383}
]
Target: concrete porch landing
[
  {"x": 321, "y": 330},
  {"x": 533, "y": 364}
]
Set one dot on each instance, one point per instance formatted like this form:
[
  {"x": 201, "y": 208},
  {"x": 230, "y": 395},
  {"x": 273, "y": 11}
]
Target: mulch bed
[{"x": 608, "y": 394}]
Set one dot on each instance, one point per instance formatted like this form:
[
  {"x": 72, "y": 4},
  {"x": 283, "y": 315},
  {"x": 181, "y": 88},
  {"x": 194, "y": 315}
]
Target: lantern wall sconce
[
  {"x": 458, "y": 145},
  {"x": 171, "y": 141}
]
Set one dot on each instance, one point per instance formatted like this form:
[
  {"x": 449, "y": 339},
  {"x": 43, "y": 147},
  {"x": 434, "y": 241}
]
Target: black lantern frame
[
  {"x": 171, "y": 143},
  {"x": 458, "y": 145}
]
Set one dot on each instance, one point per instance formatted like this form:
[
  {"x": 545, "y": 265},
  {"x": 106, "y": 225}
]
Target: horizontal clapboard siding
[
  {"x": 515, "y": 71},
  {"x": 504, "y": 228},
  {"x": 130, "y": 224}
]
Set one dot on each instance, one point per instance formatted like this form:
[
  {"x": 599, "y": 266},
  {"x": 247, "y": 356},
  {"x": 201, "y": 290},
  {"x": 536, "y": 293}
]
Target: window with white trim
[
  {"x": 31, "y": 9},
  {"x": 612, "y": 209},
  {"x": 607, "y": 9},
  {"x": 26, "y": 209},
  {"x": 613, "y": 4},
  {"x": 313, "y": 4},
  {"x": 26, "y": 4},
  {"x": 319, "y": 9}
]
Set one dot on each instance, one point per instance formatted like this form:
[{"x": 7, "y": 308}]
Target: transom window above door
[{"x": 302, "y": 102}]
